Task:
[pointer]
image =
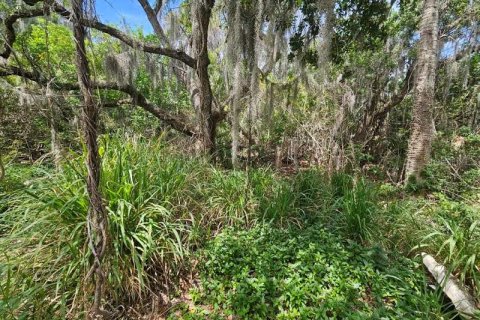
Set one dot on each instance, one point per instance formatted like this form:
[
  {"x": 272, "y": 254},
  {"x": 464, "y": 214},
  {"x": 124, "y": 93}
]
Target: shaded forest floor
[{"x": 258, "y": 244}]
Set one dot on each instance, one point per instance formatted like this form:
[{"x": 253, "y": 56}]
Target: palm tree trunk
[{"x": 423, "y": 127}]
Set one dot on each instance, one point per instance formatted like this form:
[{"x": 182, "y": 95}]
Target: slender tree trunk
[
  {"x": 199, "y": 87},
  {"x": 97, "y": 219},
  {"x": 423, "y": 128},
  {"x": 254, "y": 78},
  {"x": 55, "y": 145},
  {"x": 54, "y": 140},
  {"x": 327, "y": 8},
  {"x": 236, "y": 59},
  {"x": 201, "y": 90},
  {"x": 2, "y": 169},
  {"x": 237, "y": 84}
]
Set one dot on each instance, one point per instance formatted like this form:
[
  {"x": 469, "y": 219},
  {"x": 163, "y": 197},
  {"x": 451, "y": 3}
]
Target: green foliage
[
  {"x": 307, "y": 273},
  {"x": 49, "y": 45},
  {"x": 456, "y": 238},
  {"x": 443, "y": 227},
  {"x": 47, "y": 259},
  {"x": 162, "y": 207},
  {"x": 454, "y": 169},
  {"x": 355, "y": 199},
  {"x": 369, "y": 16}
]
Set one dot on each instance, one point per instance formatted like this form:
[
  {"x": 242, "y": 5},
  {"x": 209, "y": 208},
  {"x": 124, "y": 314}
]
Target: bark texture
[
  {"x": 327, "y": 9},
  {"x": 236, "y": 114},
  {"x": 97, "y": 219},
  {"x": 201, "y": 91},
  {"x": 423, "y": 128},
  {"x": 236, "y": 59}
]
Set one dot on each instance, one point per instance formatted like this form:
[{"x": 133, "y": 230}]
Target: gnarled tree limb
[
  {"x": 152, "y": 18},
  {"x": 10, "y": 35},
  {"x": 136, "y": 97},
  {"x": 90, "y": 23},
  {"x": 374, "y": 122}
]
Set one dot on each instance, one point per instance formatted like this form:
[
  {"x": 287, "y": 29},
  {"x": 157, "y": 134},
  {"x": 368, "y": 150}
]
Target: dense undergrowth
[
  {"x": 307, "y": 273},
  {"x": 267, "y": 246}
]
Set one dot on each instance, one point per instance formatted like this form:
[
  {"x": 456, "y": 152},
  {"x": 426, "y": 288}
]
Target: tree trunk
[
  {"x": 199, "y": 87},
  {"x": 237, "y": 84},
  {"x": 2, "y": 169},
  {"x": 236, "y": 59},
  {"x": 54, "y": 139},
  {"x": 254, "y": 77},
  {"x": 201, "y": 91},
  {"x": 97, "y": 219},
  {"x": 420, "y": 143},
  {"x": 327, "y": 9}
]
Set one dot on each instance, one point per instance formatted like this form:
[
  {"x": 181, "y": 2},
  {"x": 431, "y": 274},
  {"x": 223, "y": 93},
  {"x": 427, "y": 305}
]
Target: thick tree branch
[
  {"x": 94, "y": 24},
  {"x": 158, "y": 6},
  {"x": 136, "y": 98},
  {"x": 397, "y": 98},
  {"x": 374, "y": 122},
  {"x": 139, "y": 99},
  {"x": 152, "y": 17},
  {"x": 10, "y": 35}
]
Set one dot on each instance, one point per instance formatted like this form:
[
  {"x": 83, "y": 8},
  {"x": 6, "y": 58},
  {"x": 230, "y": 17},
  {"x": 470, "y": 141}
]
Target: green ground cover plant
[
  {"x": 308, "y": 273},
  {"x": 266, "y": 245}
]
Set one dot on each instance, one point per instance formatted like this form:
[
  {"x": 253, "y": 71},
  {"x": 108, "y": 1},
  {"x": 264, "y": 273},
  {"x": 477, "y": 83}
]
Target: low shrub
[{"x": 306, "y": 273}]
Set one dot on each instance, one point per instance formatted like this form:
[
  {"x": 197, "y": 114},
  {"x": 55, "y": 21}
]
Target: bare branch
[
  {"x": 132, "y": 42},
  {"x": 152, "y": 17},
  {"x": 158, "y": 6},
  {"x": 375, "y": 121}
]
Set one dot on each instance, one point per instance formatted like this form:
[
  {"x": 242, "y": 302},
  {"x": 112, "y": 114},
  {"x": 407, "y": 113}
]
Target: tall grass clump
[
  {"x": 44, "y": 247},
  {"x": 298, "y": 199},
  {"x": 244, "y": 199},
  {"x": 454, "y": 236},
  {"x": 225, "y": 199},
  {"x": 355, "y": 203},
  {"x": 161, "y": 207}
]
